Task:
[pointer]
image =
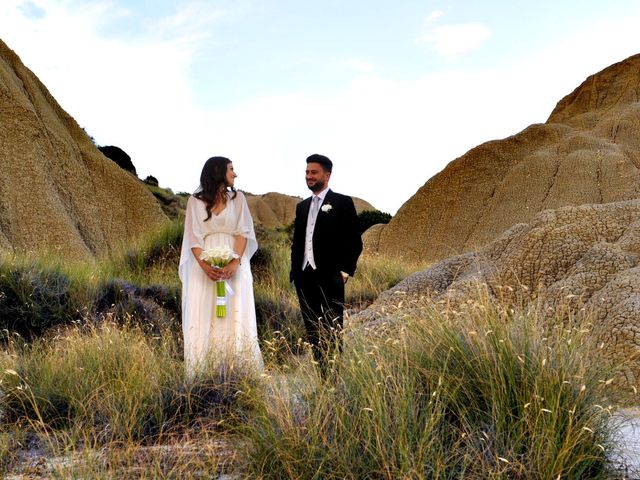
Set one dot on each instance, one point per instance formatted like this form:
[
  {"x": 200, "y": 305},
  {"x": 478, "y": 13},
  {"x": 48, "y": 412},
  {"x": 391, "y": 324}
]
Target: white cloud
[
  {"x": 455, "y": 40},
  {"x": 433, "y": 16},
  {"x": 387, "y": 137},
  {"x": 359, "y": 65},
  {"x": 191, "y": 23}
]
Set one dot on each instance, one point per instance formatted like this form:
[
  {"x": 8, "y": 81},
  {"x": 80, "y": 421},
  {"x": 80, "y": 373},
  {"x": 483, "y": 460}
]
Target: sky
[{"x": 391, "y": 91}]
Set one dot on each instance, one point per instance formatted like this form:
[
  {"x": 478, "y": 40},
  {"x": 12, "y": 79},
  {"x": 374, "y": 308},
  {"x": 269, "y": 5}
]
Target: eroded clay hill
[
  {"x": 564, "y": 260},
  {"x": 276, "y": 210},
  {"x": 57, "y": 191},
  {"x": 588, "y": 152}
]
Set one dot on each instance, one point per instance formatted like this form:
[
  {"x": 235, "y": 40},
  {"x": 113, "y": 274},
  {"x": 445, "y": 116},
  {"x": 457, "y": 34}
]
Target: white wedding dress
[{"x": 208, "y": 340}]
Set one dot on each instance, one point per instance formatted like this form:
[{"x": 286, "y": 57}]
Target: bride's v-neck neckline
[
  {"x": 214, "y": 214},
  {"x": 219, "y": 213}
]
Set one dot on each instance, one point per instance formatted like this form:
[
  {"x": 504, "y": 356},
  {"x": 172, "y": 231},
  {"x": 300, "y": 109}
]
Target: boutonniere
[{"x": 326, "y": 208}]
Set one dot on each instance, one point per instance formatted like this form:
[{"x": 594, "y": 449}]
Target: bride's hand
[
  {"x": 213, "y": 273},
  {"x": 230, "y": 269}
]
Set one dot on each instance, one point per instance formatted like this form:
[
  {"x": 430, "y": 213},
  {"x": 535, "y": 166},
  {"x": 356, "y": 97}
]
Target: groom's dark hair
[{"x": 322, "y": 160}]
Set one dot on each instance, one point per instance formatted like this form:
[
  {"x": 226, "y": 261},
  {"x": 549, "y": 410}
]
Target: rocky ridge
[
  {"x": 58, "y": 193},
  {"x": 587, "y": 152},
  {"x": 567, "y": 261}
]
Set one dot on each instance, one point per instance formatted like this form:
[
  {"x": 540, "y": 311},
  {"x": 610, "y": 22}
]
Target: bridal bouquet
[{"x": 218, "y": 257}]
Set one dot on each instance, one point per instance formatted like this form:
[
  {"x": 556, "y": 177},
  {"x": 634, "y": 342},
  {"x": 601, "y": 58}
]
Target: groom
[{"x": 325, "y": 250}]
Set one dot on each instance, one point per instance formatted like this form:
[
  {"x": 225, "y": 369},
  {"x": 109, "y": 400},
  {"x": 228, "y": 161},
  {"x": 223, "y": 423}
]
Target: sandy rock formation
[
  {"x": 273, "y": 210},
  {"x": 57, "y": 191},
  {"x": 566, "y": 259},
  {"x": 371, "y": 238},
  {"x": 362, "y": 205},
  {"x": 587, "y": 152},
  {"x": 276, "y": 210}
]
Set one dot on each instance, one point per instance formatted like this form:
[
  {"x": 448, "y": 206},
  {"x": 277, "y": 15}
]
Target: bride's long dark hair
[{"x": 213, "y": 183}]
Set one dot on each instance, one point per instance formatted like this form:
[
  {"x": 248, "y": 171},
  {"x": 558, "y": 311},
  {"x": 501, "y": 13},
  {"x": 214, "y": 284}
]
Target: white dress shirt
[{"x": 311, "y": 224}]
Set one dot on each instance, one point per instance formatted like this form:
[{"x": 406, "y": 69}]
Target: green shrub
[
  {"x": 34, "y": 298},
  {"x": 153, "y": 307},
  {"x": 368, "y": 218}
]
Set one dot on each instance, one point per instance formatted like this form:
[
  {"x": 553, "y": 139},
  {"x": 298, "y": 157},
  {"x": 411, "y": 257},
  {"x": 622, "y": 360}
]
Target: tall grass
[
  {"x": 152, "y": 259},
  {"x": 487, "y": 393},
  {"x": 116, "y": 387},
  {"x": 375, "y": 274},
  {"x": 484, "y": 390}
]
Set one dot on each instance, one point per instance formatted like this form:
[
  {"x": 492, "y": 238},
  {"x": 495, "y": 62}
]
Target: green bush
[
  {"x": 34, "y": 298},
  {"x": 368, "y": 218}
]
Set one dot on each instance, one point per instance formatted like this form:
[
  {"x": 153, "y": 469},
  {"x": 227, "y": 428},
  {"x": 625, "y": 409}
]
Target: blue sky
[{"x": 392, "y": 91}]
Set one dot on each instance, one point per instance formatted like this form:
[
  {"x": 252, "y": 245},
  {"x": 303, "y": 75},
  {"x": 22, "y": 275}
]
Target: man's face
[{"x": 316, "y": 176}]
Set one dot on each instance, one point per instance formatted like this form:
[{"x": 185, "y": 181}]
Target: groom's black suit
[{"x": 336, "y": 247}]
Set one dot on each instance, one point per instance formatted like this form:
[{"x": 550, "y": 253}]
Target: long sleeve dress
[{"x": 209, "y": 340}]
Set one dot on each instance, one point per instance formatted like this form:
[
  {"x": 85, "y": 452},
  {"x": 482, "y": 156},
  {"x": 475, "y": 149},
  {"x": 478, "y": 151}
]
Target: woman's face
[{"x": 231, "y": 175}]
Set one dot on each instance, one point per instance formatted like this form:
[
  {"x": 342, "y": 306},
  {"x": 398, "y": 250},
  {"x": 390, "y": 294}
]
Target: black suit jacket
[{"x": 337, "y": 243}]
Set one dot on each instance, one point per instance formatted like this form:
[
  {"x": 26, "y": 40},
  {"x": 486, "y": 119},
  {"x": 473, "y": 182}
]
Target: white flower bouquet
[{"x": 219, "y": 257}]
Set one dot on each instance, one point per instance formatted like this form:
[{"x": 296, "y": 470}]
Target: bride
[{"x": 218, "y": 215}]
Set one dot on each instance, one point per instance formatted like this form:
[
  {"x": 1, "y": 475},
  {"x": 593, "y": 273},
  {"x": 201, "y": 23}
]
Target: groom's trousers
[{"x": 321, "y": 296}]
